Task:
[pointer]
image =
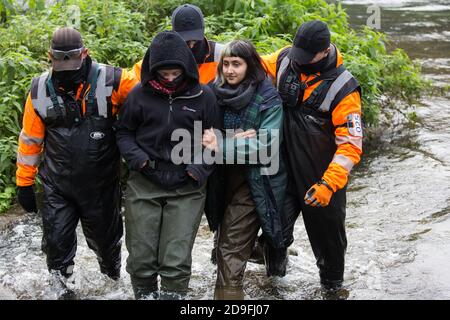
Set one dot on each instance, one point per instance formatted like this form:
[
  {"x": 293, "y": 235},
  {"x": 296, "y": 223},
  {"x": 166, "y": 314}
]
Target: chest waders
[
  {"x": 309, "y": 147},
  {"x": 80, "y": 178}
]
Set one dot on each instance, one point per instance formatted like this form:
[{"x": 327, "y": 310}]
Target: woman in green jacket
[{"x": 254, "y": 178}]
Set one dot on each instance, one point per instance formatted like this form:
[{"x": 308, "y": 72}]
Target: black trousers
[
  {"x": 326, "y": 232},
  {"x": 99, "y": 213}
]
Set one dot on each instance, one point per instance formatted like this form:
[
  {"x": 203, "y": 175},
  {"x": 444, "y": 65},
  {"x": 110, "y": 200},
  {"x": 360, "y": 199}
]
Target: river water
[{"x": 398, "y": 202}]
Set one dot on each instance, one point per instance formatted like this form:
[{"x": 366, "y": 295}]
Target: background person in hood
[
  {"x": 323, "y": 141},
  {"x": 187, "y": 21},
  {"x": 164, "y": 201},
  {"x": 245, "y": 198},
  {"x": 72, "y": 108}
]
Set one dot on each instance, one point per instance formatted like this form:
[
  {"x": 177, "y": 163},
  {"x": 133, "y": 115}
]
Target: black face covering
[
  {"x": 200, "y": 50},
  {"x": 71, "y": 79},
  {"x": 312, "y": 68},
  {"x": 171, "y": 84}
]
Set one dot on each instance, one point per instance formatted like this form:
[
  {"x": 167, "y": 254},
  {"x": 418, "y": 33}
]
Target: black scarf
[
  {"x": 70, "y": 80},
  {"x": 323, "y": 65},
  {"x": 200, "y": 51},
  {"x": 235, "y": 98},
  {"x": 175, "y": 83}
]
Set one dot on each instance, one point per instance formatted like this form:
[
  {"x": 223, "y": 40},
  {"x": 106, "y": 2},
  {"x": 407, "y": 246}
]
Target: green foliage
[
  {"x": 118, "y": 32},
  {"x": 16, "y": 71},
  {"x": 7, "y": 8},
  {"x": 398, "y": 69},
  {"x": 112, "y": 32},
  {"x": 8, "y": 146}
]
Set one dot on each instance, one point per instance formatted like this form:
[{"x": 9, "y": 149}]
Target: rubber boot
[
  {"x": 333, "y": 290},
  {"x": 229, "y": 293},
  {"x": 276, "y": 261},
  {"x": 172, "y": 295},
  {"x": 59, "y": 280},
  {"x": 257, "y": 255},
  {"x": 213, "y": 256},
  {"x": 114, "y": 274},
  {"x": 145, "y": 289}
]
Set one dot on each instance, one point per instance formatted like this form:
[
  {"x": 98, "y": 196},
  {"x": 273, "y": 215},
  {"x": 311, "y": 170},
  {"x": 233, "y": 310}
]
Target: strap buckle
[{"x": 325, "y": 184}]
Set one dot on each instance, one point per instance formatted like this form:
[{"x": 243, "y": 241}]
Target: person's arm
[
  {"x": 269, "y": 62},
  {"x": 347, "y": 120},
  {"x": 252, "y": 147},
  {"x": 31, "y": 141},
  {"x": 260, "y": 149},
  {"x": 211, "y": 119},
  {"x": 129, "y": 121}
]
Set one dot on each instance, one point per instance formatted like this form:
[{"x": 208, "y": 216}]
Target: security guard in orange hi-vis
[
  {"x": 323, "y": 141},
  {"x": 187, "y": 21},
  {"x": 68, "y": 122}
]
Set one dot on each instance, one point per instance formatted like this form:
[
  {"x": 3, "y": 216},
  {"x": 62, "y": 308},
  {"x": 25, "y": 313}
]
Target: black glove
[
  {"x": 147, "y": 172},
  {"x": 27, "y": 199}
]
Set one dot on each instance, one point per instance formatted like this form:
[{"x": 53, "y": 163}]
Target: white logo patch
[
  {"x": 354, "y": 125},
  {"x": 97, "y": 135}
]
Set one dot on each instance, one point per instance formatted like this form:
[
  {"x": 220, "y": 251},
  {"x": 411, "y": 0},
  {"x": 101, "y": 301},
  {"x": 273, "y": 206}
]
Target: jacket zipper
[{"x": 169, "y": 117}]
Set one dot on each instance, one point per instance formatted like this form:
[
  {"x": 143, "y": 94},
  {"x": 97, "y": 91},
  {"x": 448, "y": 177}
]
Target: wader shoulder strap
[
  {"x": 51, "y": 89},
  {"x": 327, "y": 78},
  {"x": 288, "y": 83},
  {"x": 92, "y": 81},
  {"x": 290, "y": 87}
]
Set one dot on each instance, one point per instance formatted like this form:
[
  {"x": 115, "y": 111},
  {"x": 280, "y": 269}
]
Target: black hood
[{"x": 168, "y": 48}]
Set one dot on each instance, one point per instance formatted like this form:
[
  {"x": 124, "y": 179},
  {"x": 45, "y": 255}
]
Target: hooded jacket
[
  {"x": 207, "y": 65},
  {"x": 149, "y": 118}
]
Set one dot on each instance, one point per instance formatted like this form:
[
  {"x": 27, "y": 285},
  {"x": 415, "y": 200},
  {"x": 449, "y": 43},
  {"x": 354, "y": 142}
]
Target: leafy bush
[
  {"x": 118, "y": 32},
  {"x": 113, "y": 33}
]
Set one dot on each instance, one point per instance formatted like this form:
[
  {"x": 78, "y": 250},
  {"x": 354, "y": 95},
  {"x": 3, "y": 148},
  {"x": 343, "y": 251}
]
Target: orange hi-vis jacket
[
  {"x": 345, "y": 117},
  {"x": 113, "y": 86},
  {"x": 206, "y": 70}
]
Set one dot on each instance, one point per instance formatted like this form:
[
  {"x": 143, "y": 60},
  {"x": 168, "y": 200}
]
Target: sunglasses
[{"x": 62, "y": 55}]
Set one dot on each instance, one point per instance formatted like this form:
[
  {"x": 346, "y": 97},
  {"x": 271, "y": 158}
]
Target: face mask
[
  {"x": 71, "y": 79},
  {"x": 312, "y": 68},
  {"x": 171, "y": 84},
  {"x": 199, "y": 51}
]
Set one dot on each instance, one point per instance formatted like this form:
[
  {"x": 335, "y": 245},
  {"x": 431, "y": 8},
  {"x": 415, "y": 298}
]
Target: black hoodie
[{"x": 149, "y": 117}]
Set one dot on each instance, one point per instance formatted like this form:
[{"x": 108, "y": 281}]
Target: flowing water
[{"x": 398, "y": 202}]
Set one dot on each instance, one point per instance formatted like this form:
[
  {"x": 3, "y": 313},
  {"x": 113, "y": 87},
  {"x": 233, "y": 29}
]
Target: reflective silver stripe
[
  {"x": 28, "y": 159},
  {"x": 29, "y": 140},
  {"x": 343, "y": 161},
  {"x": 283, "y": 67},
  {"x": 43, "y": 101},
  {"x": 102, "y": 92},
  {"x": 337, "y": 85},
  {"x": 356, "y": 141},
  {"x": 218, "y": 51}
]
